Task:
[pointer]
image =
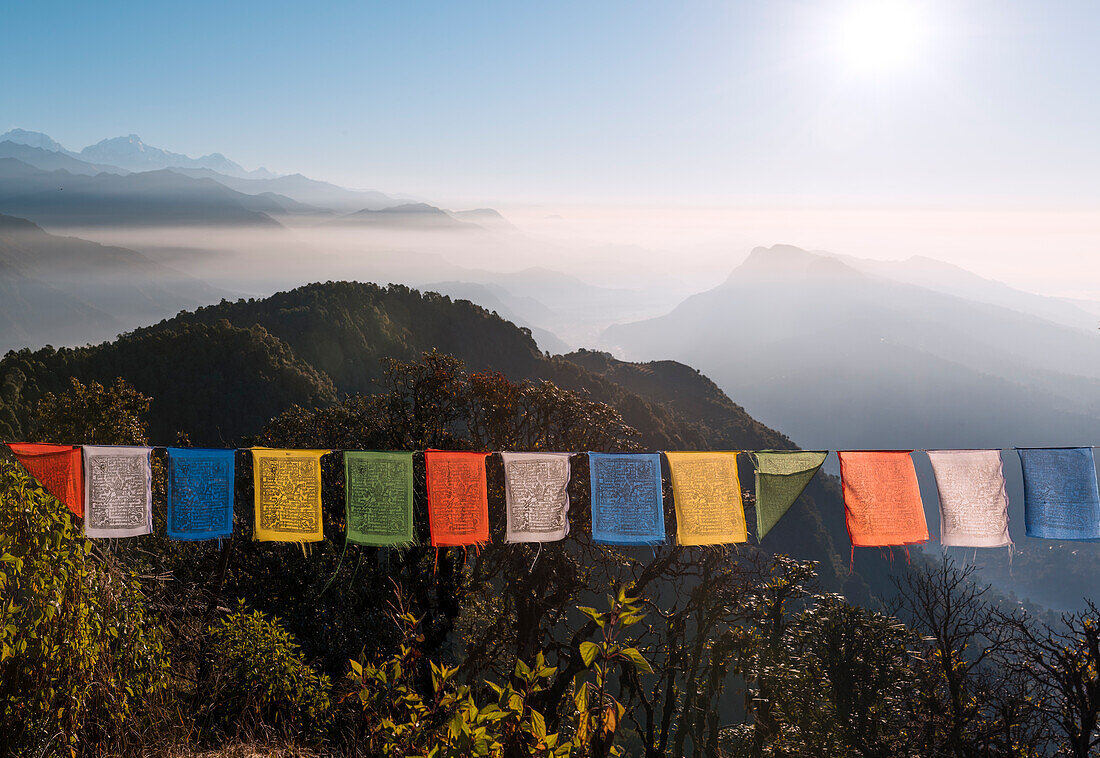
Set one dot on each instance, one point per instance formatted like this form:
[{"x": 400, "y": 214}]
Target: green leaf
[
  {"x": 538, "y": 724},
  {"x": 593, "y": 614},
  {"x": 589, "y": 651},
  {"x": 522, "y": 671},
  {"x": 639, "y": 661},
  {"x": 580, "y": 698}
]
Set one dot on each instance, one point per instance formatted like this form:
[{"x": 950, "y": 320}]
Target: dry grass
[{"x": 239, "y": 750}]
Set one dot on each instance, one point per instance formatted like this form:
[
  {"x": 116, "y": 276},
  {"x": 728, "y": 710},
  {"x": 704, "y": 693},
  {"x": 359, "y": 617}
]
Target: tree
[
  {"x": 844, "y": 685},
  {"x": 91, "y": 414},
  {"x": 975, "y": 699},
  {"x": 1063, "y": 663}
]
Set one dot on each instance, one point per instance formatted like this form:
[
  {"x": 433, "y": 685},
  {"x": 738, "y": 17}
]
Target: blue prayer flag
[
  {"x": 200, "y": 493},
  {"x": 627, "y": 505},
  {"x": 1060, "y": 494}
]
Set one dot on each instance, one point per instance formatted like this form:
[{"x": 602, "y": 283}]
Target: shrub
[
  {"x": 450, "y": 720},
  {"x": 260, "y": 684},
  {"x": 82, "y": 661}
]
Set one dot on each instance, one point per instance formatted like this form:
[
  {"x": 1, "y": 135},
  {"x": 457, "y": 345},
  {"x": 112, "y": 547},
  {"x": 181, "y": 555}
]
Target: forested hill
[
  {"x": 345, "y": 329},
  {"x": 221, "y": 372}
]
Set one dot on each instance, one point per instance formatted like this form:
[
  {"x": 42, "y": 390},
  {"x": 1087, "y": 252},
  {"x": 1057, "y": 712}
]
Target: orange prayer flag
[
  {"x": 458, "y": 500},
  {"x": 882, "y": 503},
  {"x": 57, "y": 468}
]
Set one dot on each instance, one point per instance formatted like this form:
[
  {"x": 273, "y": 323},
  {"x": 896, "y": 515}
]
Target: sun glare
[{"x": 875, "y": 37}]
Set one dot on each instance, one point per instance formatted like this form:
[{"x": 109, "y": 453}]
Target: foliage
[
  {"x": 92, "y": 414},
  {"x": 82, "y": 661},
  {"x": 599, "y": 713},
  {"x": 213, "y": 381},
  {"x": 978, "y": 706},
  {"x": 345, "y": 329},
  {"x": 260, "y": 683},
  {"x": 450, "y": 722},
  {"x": 848, "y": 685},
  {"x": 746, "y": 653},
  {"x": 1062, "y": 665}
]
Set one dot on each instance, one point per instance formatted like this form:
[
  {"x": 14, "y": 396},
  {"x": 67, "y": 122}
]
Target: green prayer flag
[
  {"x": 781, "y": 476},
  {"x": 378, "y": 491}
]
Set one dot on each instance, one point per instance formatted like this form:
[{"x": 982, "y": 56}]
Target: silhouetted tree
[
  {"x": 975, "y": 701},
  {"x": 1063, "y": 664}
]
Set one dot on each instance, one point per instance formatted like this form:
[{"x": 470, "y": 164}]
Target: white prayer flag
[
  {"x": 973, "y": 502},
  {"x": 118, "y": 491},
  {"x": 536, "y": 496}
]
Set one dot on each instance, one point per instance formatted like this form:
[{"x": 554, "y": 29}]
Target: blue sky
[{"x": 582, "y": 102}]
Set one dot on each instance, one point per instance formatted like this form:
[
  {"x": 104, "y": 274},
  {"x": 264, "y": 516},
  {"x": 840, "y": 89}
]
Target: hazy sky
[
  {"x": 606, "y": 102},
  {"x": 966, "y": 130}
]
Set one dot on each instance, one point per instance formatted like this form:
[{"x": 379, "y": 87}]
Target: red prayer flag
[
  {"x": 882, "y": 503},
  {"x": 57, "y": 468},
  {"x": 458, "y": 501}
]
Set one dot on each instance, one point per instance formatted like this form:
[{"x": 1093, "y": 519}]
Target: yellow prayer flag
[
  {"x": 288, "y": 494},
  {"x": 707, "y": 494}
]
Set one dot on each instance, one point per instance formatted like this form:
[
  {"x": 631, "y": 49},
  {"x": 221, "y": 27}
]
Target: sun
[{"x": 876, "y": 37}]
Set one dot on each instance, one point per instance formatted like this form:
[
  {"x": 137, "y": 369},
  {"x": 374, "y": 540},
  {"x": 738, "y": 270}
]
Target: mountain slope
[
  {"x": 418, "y": 216},
  {"x": 302, "y": 189},
  {"x": 949, "y": 279},
  {"x": 500, "y": 301},
  {"x": 155, "y": 198},
  {"x": 212, "y": 381},
  {"x": 51, "y": 160},
  {"x": 486, "y": 217},
  {"x": 838, "y": 358},
  {"x": 65, "y": 290},
  {"x": 33, "y": 312},
  {"x": 691, "y": 395}
]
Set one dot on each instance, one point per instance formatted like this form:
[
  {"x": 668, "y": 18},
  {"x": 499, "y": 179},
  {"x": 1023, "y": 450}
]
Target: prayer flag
[
  {"x": 378, "y": 491},
  {"x": 973, "y": 502},
  {"x": 200, "y": 493},
  {"x": 118, "y": 491},
  {"x": 57, "y": 468},
  {"x": 288, "y": 494},
  {"x": 781, "y": 476},
  {"x": 536, "y": 496},
  {"x": 1060, "y": 494},
  {"x": 458, "y": 501},
  {"x": 627, "y": 503},
  {"x": 706, "y": 493},
  {"x": 882, "y": 503}
]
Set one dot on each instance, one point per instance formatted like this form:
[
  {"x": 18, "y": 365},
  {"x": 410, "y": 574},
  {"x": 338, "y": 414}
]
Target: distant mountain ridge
[
  {"x": 34, "y": 139},
  {"x": 950, "y": 279},
  {"x": 60, "y": 198},
  {"x": 419, "y": 216},
  {"x": 132, "y": 154},
  {"x": 486, "y": 217},
  {"x": 844, "y": 358},
  {"x": 52, "y": 160},
  {"x": 129, "y": 154},
  {"x": 301, "y": 188}
]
